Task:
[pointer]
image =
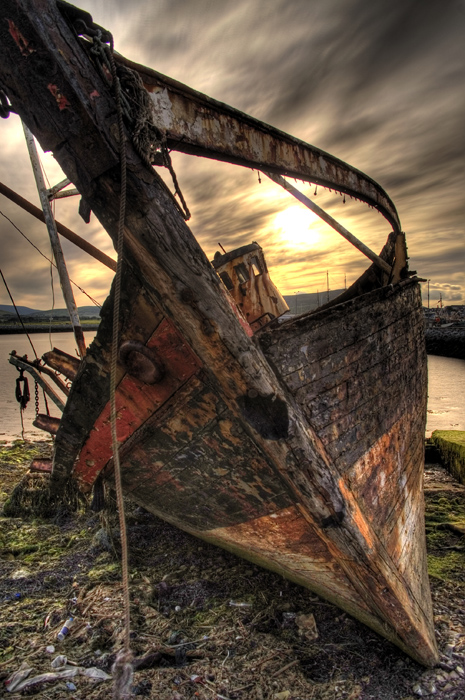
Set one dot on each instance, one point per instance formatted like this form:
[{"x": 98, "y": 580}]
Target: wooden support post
[
  {"x": 332, "y": 222},
  {"x": 55, "y": 241}
]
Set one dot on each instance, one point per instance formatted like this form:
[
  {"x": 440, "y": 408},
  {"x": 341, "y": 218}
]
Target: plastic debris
[
  {"x": 59, "y": 661},
  {"x": 18, "y": 676},
  {"x": 42, "y": 678},
  {"x": 239, "y": 605},
  {"x": 65, "y": 629},
  {"x": 19, "y": 680},
  {"x": 71, "y": 686},
  {"x": 95, "y": 673}
]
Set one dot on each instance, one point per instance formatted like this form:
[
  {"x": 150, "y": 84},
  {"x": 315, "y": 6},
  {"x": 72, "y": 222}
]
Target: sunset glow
[
  {"x": 348, "y": 79},
  {"x": 297, "y": 227}
]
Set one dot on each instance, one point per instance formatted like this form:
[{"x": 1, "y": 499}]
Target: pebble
[
  {"x": 453, "y": 675},
  {"x": 102, "y": 539}
]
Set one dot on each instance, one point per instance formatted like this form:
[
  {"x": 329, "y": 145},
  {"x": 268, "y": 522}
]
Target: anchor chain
[{"x": 36, "y": 388}]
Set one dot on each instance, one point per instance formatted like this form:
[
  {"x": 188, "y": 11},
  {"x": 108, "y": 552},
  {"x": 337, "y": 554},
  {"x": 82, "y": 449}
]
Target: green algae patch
[
  {"x": 105, "y": 572},
  {"x": 22, "y": 451},
  {"x": 451, "y": 445},
  {"x": 14, "y": 462},
  {"x": 447, "y": 567},
  {"x": 445, "y": 531}
]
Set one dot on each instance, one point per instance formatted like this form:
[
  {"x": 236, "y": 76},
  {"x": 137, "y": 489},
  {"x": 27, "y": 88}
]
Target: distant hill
[
  {"x": 23, "y": 310},
  {"x": 7, "y": 312},
  {"x": 300, "y": 303}
]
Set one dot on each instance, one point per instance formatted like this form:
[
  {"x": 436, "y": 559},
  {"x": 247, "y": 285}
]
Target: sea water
[
  {"x": 446, "y": 386},
  {"x": 10, "y": 416}
]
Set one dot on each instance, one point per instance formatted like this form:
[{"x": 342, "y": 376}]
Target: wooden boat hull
[
  {"x": 305, "y": 453},
  {"x": 357, "y": 371}
]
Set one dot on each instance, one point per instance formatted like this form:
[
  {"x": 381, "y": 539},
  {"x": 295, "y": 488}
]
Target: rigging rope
[
  {"x": 148, "y": 140},
  {"x": 18, "y": 315},
  {"x": 122, "y": 668},
  {"x": 22, "y": 394},
  {"x": 96, "y": 303}
]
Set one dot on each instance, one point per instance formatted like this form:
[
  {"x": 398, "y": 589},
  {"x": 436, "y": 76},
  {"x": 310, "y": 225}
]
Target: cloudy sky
[{"x": 377, "y": 84}]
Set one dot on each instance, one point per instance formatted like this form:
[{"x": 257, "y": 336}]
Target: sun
[{"x": 296, "y": 227}]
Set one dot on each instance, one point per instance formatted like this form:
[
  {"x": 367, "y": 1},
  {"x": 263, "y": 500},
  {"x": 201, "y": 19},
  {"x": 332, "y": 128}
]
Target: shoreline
[
  {"x": 42, "y": 328},
  {"x": 445, "y": 342}
]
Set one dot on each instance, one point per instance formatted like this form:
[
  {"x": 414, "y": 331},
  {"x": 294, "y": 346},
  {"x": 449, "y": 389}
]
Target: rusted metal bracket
[
  {"x": 22, "y": 363},
  {"x": 62, "y": 362}
]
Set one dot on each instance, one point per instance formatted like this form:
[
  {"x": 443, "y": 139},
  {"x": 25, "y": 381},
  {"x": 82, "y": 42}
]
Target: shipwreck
[{"x": 298, "y": 445}]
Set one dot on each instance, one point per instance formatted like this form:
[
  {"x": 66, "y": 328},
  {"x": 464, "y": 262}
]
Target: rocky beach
[{"x": 205, "y": 624}]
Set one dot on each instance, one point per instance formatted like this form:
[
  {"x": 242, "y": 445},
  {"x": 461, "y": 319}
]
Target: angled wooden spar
[
  {"x": 332, "y": 222},
  {"x": 196, "y": 124},
  {"x": 61, "y": 228},
  {"x": 55, "y": 241}
]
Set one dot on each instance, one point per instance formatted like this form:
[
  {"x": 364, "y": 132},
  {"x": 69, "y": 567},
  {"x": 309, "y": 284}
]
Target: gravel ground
[{"x": 206, "y": 625}]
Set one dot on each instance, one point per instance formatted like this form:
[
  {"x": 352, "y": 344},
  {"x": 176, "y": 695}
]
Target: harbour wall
[{"x": 447, "y": 342}]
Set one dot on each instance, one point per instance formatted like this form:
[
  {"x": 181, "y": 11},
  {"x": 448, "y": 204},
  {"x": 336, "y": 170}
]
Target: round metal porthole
[{"x": 141, "y": 362}]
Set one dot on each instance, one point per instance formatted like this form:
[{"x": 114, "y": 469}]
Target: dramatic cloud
[{"x": 379, "y": 85}]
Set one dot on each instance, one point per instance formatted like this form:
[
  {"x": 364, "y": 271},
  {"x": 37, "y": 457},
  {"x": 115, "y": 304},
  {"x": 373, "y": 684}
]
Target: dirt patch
[{"x": 205, "y": 624}]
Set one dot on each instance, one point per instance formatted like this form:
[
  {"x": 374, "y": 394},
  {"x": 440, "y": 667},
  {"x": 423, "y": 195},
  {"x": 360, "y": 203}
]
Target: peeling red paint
[
  {"x": 61, "y": 100},
  {"x": 136, "y": 401},
  {"x": 23, "y": 44}
]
